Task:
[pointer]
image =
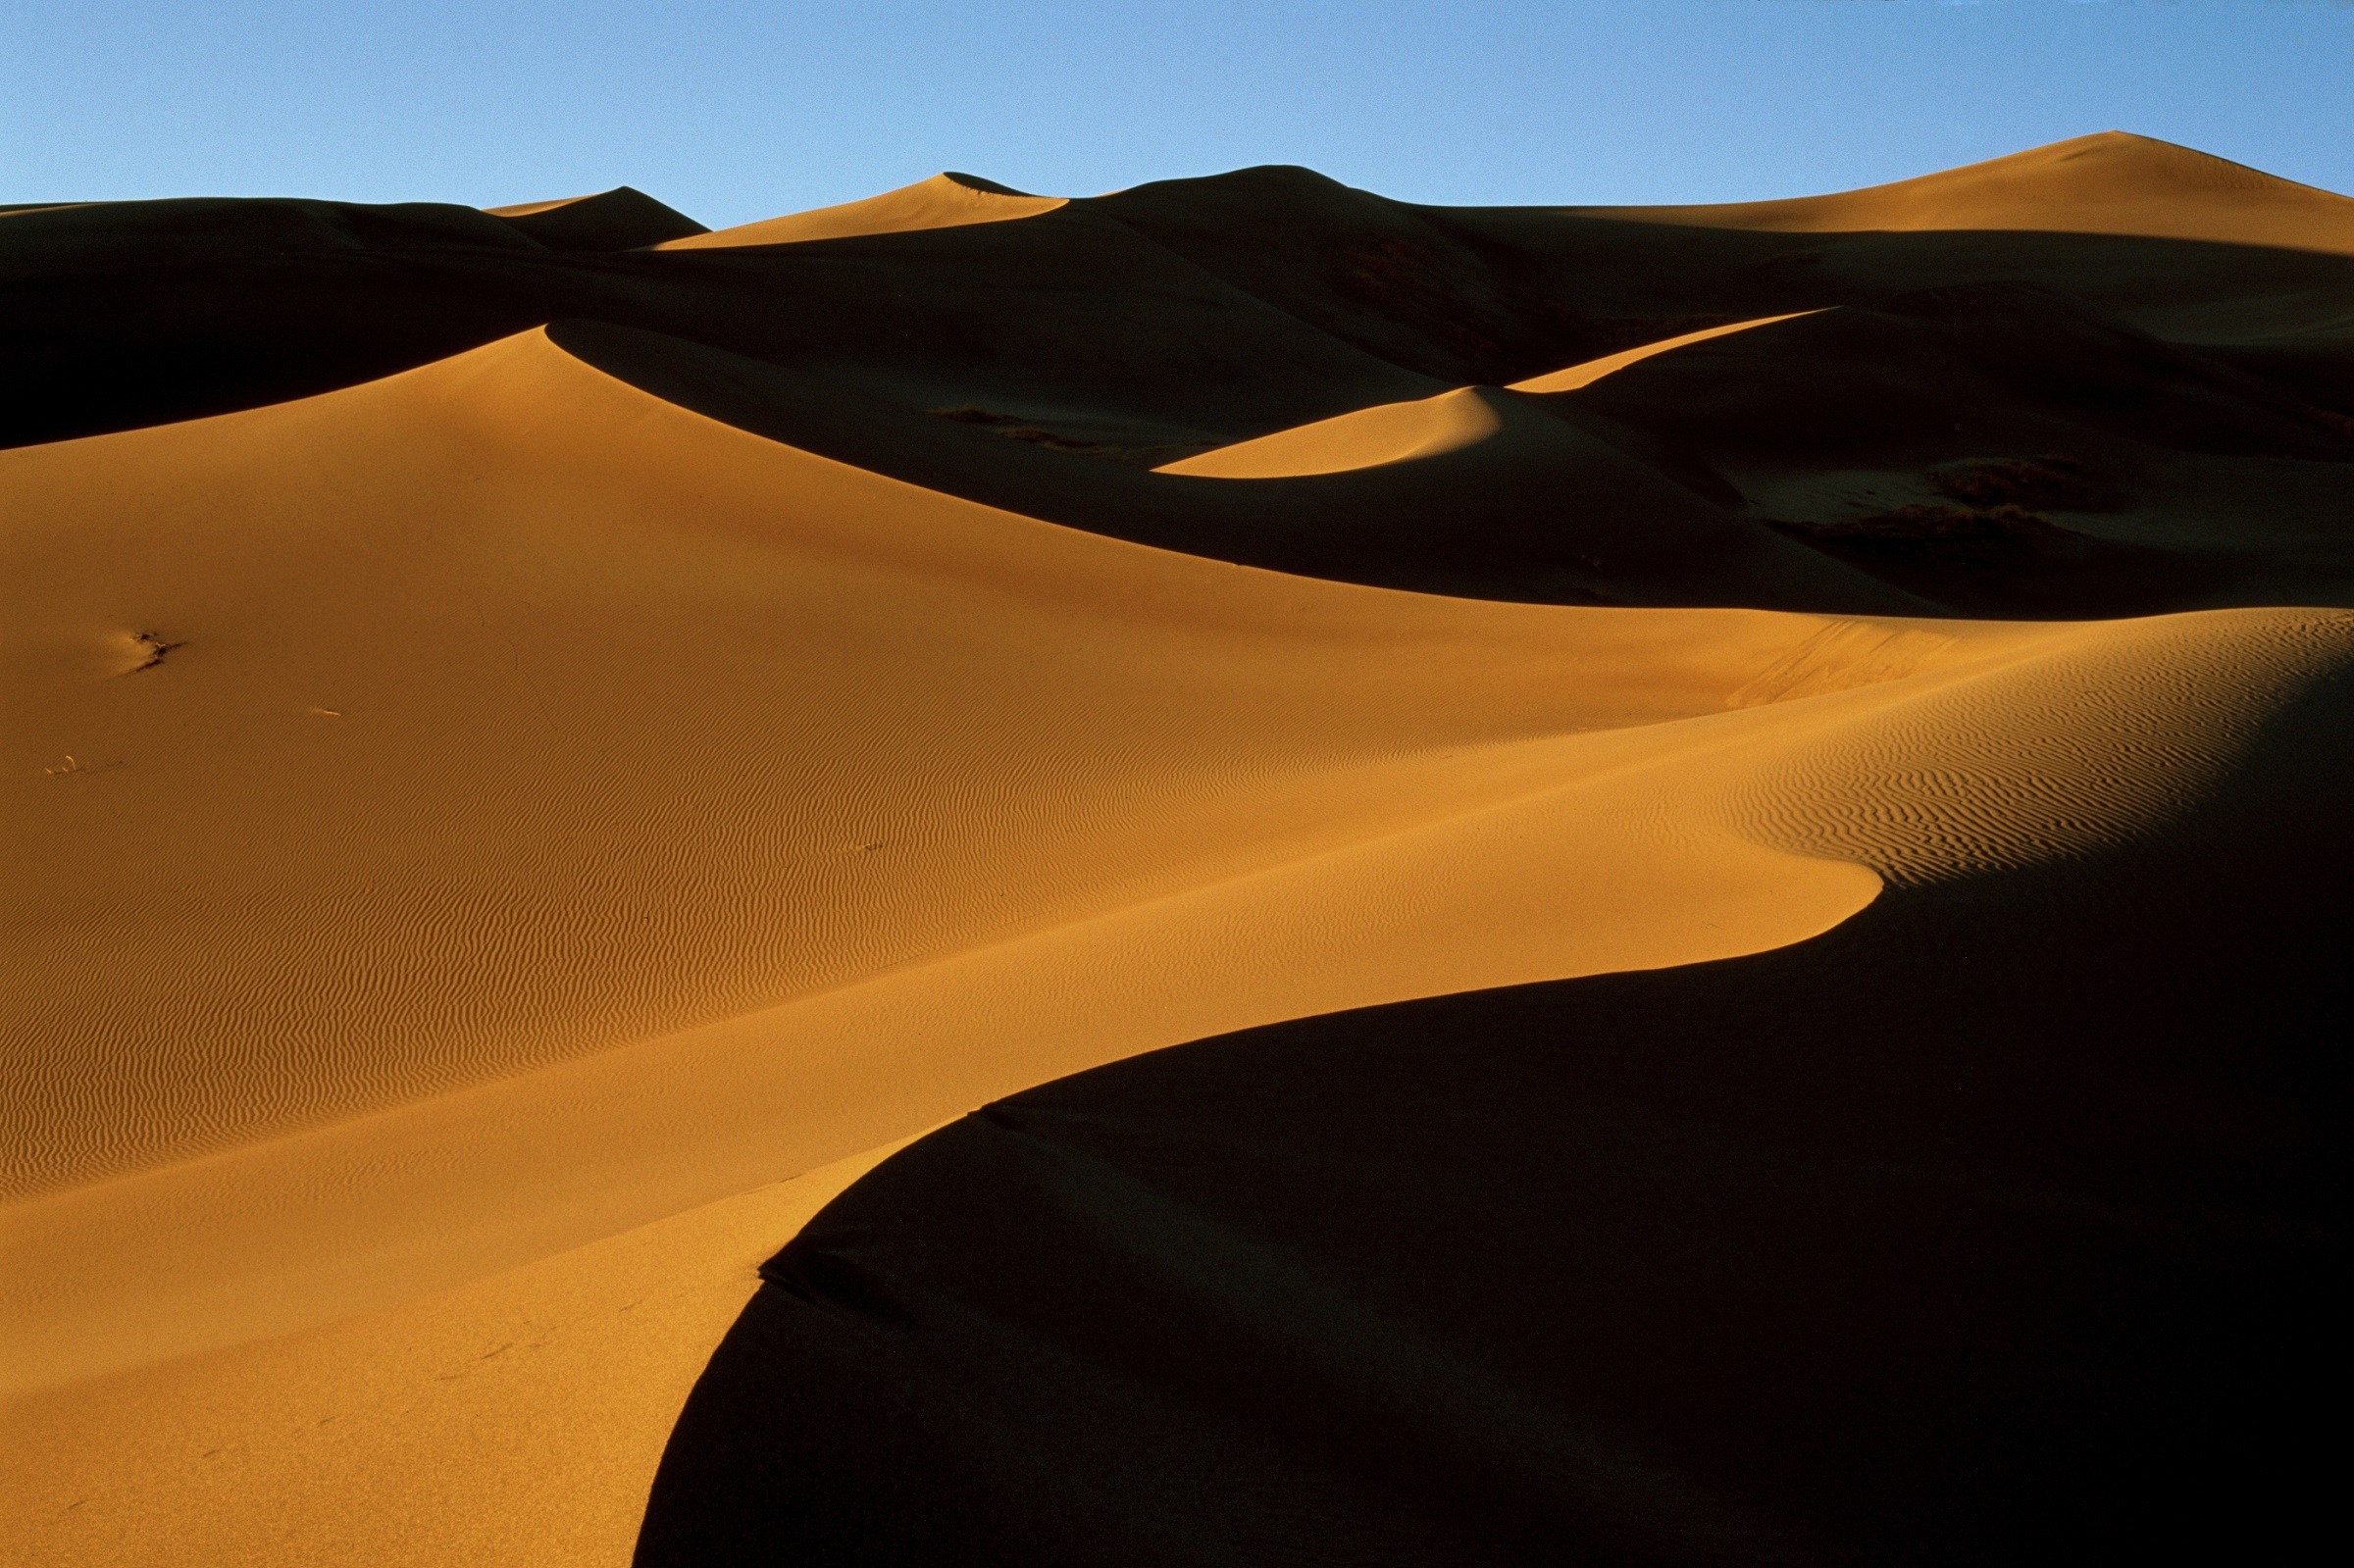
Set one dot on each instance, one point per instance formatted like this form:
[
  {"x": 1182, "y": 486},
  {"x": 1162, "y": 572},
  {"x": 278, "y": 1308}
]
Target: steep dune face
[
  {"x": 944, "y": 201},
  {"x": 1701, "y": 1048}
]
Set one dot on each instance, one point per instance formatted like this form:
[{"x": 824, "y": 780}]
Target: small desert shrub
[
  {"x": 1038, "y": 438},
  {"x": 1014, "y": 428},
  {"x": 2059, "y": 482}
]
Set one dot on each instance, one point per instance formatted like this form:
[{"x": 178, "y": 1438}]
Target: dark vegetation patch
[
  {"x": 1988, "y": 538},
  {"x": 1921, "y": 521},
  {"x": 1017, "y": 428},
  {"x": 2002, "y": 561},
  {"x": 156, "y": 646},
  {"x": 2059, "y": 482}
]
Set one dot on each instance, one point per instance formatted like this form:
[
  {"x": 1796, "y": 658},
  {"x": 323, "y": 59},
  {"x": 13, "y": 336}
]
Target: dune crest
[
  {"x": 1585, "y": 374},
  {"x": 619, "y": 218},
  {"x": 1367, "y": 438},
  {"x": 2110, "y": 183},
  {"x": 943, "y": 201}
]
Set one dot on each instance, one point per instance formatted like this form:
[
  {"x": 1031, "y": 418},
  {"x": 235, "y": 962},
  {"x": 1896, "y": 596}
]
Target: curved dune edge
[
  {"x": 2110, "y": 183},
  {"x": 1387, "y": 433},
  {"x": 1362, "y": 439},
  {"x": 943, "y": 201},
  {"x": 544, "y": 1348},
  {"x": 1572, "y": 377},
  {"x": 1405, "y": 795},
  {"x": 1669, "y": 1258}
]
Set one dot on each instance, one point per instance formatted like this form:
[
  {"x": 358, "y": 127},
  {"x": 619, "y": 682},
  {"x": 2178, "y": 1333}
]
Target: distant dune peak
[
  {"x": 2108, "y": 182},
  {"x": 619, "y": 218},
  {"x": 948, "y": 200},
  {"x": 986, "y": 187}
]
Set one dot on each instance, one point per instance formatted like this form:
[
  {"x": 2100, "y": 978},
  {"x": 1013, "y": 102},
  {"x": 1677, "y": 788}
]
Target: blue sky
[{"x": 731, "y": 109}]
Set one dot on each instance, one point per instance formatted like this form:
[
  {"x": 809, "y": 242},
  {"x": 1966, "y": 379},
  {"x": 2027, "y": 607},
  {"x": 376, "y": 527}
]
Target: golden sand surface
[{"x": 493, "y": 850}]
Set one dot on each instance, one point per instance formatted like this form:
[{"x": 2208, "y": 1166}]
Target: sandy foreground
[{"x": 498, "y": 842}]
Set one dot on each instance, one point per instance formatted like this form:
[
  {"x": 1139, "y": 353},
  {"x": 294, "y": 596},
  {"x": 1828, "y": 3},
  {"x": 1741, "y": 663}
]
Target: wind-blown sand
[{"x": 501, "y": 841}]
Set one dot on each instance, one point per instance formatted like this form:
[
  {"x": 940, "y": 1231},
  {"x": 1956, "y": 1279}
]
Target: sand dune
[
  {"x": 547, "y": 744},
  {"x": 2109, "y": 184},
  {"x": 944, "y": 201},
  {"x": 619, "y": 218}
]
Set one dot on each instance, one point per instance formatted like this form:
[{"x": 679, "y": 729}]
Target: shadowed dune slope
[
  {"x": 1998, "y": 1224},
  {"x": 1572, "y": 508},
  {"x": 619, "y": 218},
  {"x": 944, "y": 201},
  {"x": 2137, "y": 474}
]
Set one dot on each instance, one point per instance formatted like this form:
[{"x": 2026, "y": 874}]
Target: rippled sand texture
[{"x": 500, "y": 834}]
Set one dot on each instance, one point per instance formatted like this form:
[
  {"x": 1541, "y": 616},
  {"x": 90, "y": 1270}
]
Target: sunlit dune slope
[
  {"x": 410, "y": 714},
  {"x": 1368, "y": 437},
  {"x": 516, "y": 1419},
  {"x": 2109, "y": 184},
  {"x": 944, "y": 201}
]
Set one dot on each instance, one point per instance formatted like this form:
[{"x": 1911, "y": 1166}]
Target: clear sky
[{"x": 734, "y": 110}]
